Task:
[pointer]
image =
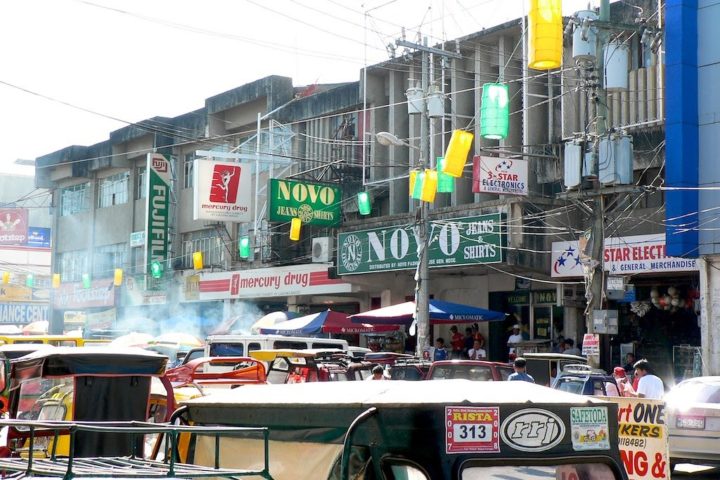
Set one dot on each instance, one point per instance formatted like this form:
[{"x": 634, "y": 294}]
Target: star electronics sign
[
  {"x": 500, "y": 175},
  {"x": 622, "y": 256}
]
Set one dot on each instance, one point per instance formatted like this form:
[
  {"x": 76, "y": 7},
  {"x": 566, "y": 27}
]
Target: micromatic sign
[
  {"x": 453, "y": 242},
  {"x": 313, "y": 204},
  {"x": 156, "y": 214}
]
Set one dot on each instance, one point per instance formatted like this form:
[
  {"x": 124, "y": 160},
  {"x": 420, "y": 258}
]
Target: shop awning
[
  {"x": 324, "y": 322},
  {"x": 440, "y": 312}
]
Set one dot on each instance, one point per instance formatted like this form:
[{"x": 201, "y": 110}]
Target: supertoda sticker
[
  {"x": 589, "y": 428},
  {"x": 472, "y": 429}
]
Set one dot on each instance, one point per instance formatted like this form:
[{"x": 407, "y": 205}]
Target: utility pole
[
  {"x": 422, "y": 274},
  {"x": 595, "y": 278}
]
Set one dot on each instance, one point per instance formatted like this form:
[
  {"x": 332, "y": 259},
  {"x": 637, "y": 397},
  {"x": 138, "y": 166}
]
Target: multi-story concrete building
[{"x": 491, "y": 250}]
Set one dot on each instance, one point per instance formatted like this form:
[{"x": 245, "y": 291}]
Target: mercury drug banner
[
  {"x": 503, "y": 176},
  {"x": 222, "y": 191},
  {"x": 314, "y": 204},
  {"x": 453, "y": 242}
]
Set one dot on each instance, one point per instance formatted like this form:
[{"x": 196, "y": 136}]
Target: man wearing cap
[
  {"x": 514, "y": 338},
  {"x": 617, "y": 388}
]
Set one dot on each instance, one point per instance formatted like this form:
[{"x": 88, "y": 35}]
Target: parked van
[{"x": 242, "y": 345}]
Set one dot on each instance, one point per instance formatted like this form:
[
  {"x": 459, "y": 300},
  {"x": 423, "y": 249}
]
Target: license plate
[{"x": 697, "y": 423}]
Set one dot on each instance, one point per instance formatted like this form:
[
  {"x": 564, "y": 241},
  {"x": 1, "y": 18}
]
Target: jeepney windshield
[
  {"x": 585, "y": 471},
  {"x": 45, "y": 398},
  {"x": 469, "y": 372}
]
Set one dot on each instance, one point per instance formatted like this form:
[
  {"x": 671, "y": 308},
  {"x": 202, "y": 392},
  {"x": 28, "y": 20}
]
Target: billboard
[
  {"x": 13, "y": 226},
  {"x": 38, "y": 237},
  {"x": 502, "y": 176},
  {"x": 222, "y": 191},
  {"x": 312, "y": 203},
  {"x": 453, "y": 242},
  {"x": 157, "y": 214}
]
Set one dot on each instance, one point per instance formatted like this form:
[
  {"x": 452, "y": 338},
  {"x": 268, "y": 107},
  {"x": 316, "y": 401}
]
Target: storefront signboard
[
  {"x": 134, "y": 294},
  {"x": 308, "y": 279},
  {"x": 23, "y": 313},
  {"x": 591, "y": 344},
  {"x": 643, "y": 438},
  {"x": 622, "y": 256},
  {"x": 73, "y": 296},
  {"x": 312, "y": 203},
  {"x": 502, "y": 176},
  {"x": 453, "y": 242},
  {"x": 38, "y": 237},
  {"x": 223, "y": 191},
  {"x": 13, "y": 226},
  {"x": 101, "y": 320},
  {"x": 137, "y": 239},
  {"x": 157, "y": 215}
]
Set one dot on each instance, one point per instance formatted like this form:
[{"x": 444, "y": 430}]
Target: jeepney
[{"x": 400, "y": 430}]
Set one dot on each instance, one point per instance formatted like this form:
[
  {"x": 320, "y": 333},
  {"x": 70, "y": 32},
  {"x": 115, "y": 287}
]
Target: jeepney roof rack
[
  {"x": 581, "y": 369},
  {"x": 133, "y": 466}
]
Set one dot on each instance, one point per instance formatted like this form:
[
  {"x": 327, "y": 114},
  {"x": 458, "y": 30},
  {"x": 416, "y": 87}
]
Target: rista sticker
[
  {"x": 589, "y": 428},
  {"x": 532, "y": 430},
  {"x": 472, "y": 430}
]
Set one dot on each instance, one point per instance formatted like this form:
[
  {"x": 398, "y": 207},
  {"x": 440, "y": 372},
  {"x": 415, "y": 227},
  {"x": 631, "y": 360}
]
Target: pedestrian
[
  {"x": 520, "y": 374},
  {"x": 457, "y": 342},
  {"x": 469, "y": 340},
  {"x": 477, "y": 352},
  {"x": 378, "y": 373},
  {"x": 616, "y": 388},
  {"x": 514, "y": 338},
  {"x": 649, "y": 386},
  {"x": 629, "y": 363},
  {"x": 477, "y": 335},
  {"x": 570, "y": 348},
  {"x": 439, "y": 353}
]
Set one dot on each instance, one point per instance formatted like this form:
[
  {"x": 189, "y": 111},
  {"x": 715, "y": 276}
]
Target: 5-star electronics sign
[{"x": 453, "y": 242}]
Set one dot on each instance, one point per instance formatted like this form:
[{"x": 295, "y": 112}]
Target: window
[
  {"x": 72, "y": 265},
  {"x": 75, "y": 199},
  {"x": 188, "y": 170},
  {"x": 140, "y": 176},
  {"x": 206, "y": 241},
  {"x": 138, "y": 260},
  {"x": 113, "y": 190},
  {"x": 108, "y": 258}
]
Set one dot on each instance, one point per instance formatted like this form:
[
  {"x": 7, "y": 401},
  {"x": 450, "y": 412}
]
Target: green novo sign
[
  {"x": 453, "y": 242},
  {"x": 312, "y": 203},
  {"x": 157, "y": 220}
]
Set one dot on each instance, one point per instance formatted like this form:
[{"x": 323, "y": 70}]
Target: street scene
[{"x": 390, "y": 239}]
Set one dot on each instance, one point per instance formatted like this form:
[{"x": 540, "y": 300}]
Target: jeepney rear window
[
  {"x": 469, "y": 372},
  {"x": 226, "y": 350},
  {"x": 585, "y": 471}
]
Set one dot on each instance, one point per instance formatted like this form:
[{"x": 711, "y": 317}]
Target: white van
[{"x": 242, "y": 345}]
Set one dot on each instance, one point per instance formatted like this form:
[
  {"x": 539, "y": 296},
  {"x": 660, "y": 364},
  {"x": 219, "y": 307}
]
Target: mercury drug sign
[{"x": 453, "y": 242}]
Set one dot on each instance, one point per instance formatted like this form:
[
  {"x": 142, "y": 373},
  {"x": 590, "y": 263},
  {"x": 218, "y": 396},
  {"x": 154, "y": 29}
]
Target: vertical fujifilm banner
[{"x": 156, "y": 215}]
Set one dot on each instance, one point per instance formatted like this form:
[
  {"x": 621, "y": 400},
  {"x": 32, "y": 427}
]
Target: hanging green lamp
[{"x": 495, "y": 111}]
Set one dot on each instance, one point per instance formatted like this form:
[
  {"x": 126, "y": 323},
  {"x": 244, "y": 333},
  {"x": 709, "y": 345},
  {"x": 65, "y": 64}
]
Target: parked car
[
  {"x": 692, "y": 414},
  {"x": 411, "y": 369},
  {"x": 479, "y": 370},
  {"x": 581, "y": 379},
  {"x": 544, "y": 366}
]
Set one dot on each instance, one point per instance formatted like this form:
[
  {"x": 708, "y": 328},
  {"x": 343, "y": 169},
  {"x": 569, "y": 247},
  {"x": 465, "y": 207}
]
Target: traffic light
[{"x": 156, "y": 269}]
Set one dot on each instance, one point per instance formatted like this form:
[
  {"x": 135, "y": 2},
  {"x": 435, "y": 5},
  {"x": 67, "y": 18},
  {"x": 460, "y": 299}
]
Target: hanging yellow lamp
[
  {"x": 56, "y": 280},
  {"x": 457, "y": 153},
  {"x": 197, "y": 258},
  {"x": 118, "y": 277},
  {"x": 295, "y": 227},
  {"x": 545, "y": 34}
]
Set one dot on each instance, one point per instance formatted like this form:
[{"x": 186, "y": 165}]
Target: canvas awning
[
  {"x": 323, "y": 322},
  {"x": 440, "y": 312}
]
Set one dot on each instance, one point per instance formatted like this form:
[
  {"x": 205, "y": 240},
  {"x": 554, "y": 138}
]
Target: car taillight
[{"x": 694, "y": 422}]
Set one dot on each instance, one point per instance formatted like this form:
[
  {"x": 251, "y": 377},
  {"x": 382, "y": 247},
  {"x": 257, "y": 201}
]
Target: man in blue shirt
[
  {"x": 520, "y": 375},
  {"x": 440, "y": 353}
]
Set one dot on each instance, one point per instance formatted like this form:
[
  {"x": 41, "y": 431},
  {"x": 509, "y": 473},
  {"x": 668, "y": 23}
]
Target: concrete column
[{"x": 710, "y": 313}]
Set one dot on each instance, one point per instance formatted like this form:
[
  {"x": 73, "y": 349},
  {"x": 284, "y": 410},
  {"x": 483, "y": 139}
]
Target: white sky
[{"x": 135, "y": 59}]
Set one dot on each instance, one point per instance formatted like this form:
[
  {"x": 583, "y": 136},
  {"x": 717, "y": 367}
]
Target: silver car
[{"x": 692, "y": 414}]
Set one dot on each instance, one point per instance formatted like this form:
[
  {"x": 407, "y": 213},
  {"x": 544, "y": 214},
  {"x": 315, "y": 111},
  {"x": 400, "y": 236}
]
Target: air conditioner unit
[{"x": 322, "y": 249}]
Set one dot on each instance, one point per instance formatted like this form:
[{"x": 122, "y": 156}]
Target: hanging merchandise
[
  {"x": 495, "y": 111},
  {"x": 545, "y": 34},
  {"x": 457, "y": 153},
  {"x": 118, "y": 277},
  {"x": 295, "y": 226},
  {"x": 446, "y": 183},
  {"x": 244, "y": 247},
  {"x": 364, "y": 205},
  {"x": 197, "y": 258},
  {"x": 56, "y": 280}
]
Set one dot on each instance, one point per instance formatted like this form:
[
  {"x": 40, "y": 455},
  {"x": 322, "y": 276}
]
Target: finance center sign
[
  {"x": 312, "y": 203},
  {"x": 453, "y": 242}
]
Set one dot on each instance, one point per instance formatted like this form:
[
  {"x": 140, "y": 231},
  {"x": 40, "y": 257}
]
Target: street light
[{"x": 422, "y": 297}]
